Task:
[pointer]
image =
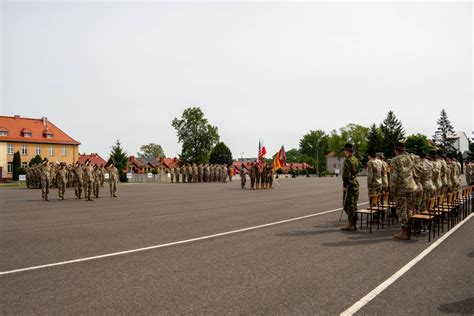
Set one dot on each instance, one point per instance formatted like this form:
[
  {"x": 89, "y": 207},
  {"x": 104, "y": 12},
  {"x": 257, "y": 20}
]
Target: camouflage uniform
[
  {"x": 351, "y": 186},
  {"x": 78, "y": 180},
  {"x": 200, "y": 173},
  {"x": 253, "y": 176},
  {"x": 418, "y": 193},
  {"x": 243, "y": 176},
  {"x": 61, "y": 180},
  {"x": 97, "y": 176},
  {"x": 171, "y": 171},
  {"x": 224, "y": 174},
  {"x": 88, "y": 177},
  {"x": 258, "y": 176},
  {"x": 455, "y": 174},
  {"x": 184, "y": 175},
  {"x": 195, "y": 173},
  {"x": 177, "y": 172},
  {"x": 45, "y": 180},
  {"x": 443, "y": 176},
  {"x": 437, "y": 177},
  {"x": 374, "y": 177},
  {"x": 402, "y": 186},
  {"x": 113, "y": 180},
  {"x": 426, "y": 181}
]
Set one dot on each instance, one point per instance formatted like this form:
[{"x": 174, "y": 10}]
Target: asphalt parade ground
[{"x": 217, "y": 249}]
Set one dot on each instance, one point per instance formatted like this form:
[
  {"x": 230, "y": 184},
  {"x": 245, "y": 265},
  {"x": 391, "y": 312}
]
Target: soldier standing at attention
[
  {"x": 61, "y": 179},
  {"x": 426, "y": 180},
  {"x": 78, "y": 180},
  {"x": 102, "y": 175},
  {"x": 374, "y": 174},
  {"x": 113, "y": 180},
  {"x": 253, "y": 172},
  {"x": 443, "y": 173},
  {"x": 385, "y": 172},
  {"x": 45, "y": 173},
  {"x": 200, "y": 173},
  {"x": 243, "y": 176},
  {"x": 88, "y": 178},
  {"x": 177, "y": 172},
  {"x": 417, "y": 172},
  {"x": 402, "y": 187},
  {"x": 350, "y": 186},
  {"x": 258, "y": 176},
  {"x": 96, "y": 182},
  {"x": 455, "y": 172},
  {"x": 171, "y": 170}
]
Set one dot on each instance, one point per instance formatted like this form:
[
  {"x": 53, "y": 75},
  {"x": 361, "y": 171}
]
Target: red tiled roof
[
  {"x": 95, "y": 159},
  {"x": 169, "y": 162},
  {"x": 16, "y": 125}
]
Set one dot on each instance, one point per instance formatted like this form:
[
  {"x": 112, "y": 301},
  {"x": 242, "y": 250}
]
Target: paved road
[{"x": 307, "y": 266}]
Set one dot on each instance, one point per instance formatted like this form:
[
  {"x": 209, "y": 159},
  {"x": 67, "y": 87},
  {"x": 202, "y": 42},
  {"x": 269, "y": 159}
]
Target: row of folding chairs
[
  {"x": 452, "y": 209},
  {"x": 440, "y": 210}
]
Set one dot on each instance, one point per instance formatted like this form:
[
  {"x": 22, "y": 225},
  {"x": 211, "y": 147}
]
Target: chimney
[{"x": 45, "y": 120}]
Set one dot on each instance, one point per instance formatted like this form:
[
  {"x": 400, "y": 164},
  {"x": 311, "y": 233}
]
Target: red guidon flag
[
  {"x": 280, "y": 159},
  {"x": 261, "y": 153}
]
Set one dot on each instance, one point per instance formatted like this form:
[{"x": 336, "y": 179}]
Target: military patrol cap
[
  {"x": 348, "y": 147},
  {"x": 399, "y": 146},
  {"x": 450, "y": 155},
  {"x": 432, "y": 154},
  {"x": 371, "y": 153},
  {"x": 440, "y": 153}
]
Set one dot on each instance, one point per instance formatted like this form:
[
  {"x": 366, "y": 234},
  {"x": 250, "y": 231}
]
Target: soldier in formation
[
  {"x": 469, "y": 172},
  {"x": 417, "y": 178},
  {"x": 86, "y": 179},
  {"x": 199, "y": 173}
]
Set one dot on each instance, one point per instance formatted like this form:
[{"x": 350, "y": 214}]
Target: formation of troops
[
  {"x": 410, "y": 179},
  {"x": 199, "y": 173},
  {"x": 261, "y": 176},
  {"x": 86, "y": 179}
]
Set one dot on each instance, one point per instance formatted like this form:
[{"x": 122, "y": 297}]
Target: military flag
[
  {"x": 261, "y": 153},
  {"x": 280, "y": 159}
]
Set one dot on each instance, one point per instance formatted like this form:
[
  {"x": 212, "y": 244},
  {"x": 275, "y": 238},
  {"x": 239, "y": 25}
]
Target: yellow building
[{"x": 31, "y": 137}]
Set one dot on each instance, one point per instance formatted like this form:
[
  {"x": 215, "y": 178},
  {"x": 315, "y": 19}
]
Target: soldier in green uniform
[
  {"x": 350, "y": 186},
  {"x": 243, "y": 176},
  {"x": 253, "y": 175}
]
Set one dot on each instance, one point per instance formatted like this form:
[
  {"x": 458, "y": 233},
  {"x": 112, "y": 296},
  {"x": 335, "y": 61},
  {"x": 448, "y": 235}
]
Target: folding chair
[
  {"x": 427, "y": 217},
  {"x": 373, "y": 209}
]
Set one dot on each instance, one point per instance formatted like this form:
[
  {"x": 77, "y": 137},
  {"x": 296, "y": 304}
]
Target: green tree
[
  {"x": 315, "y": 145},
  {"x": 443, "y": 136},
  {"x": 220, "y": 154},
  {"x": 16, "y": 165},
  {"x": 351, "y": 133},
  {"x": 197, "y": 136},
  {"x": 418, "y": 142},
  {"x": 151, "y": 151},
  {"x": 392, "y": 133},
  {"x": 35, "y": 160},
  {"x": 120, "y": 159},
  {"x": 374, "y": 139}
]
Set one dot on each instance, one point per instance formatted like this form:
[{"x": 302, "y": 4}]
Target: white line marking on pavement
[
  {"x": 379, "y": 289},
  {"x": 168, "y": 244}
]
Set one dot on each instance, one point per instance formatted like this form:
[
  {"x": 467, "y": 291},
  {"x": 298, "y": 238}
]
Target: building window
[
  {"x": 24, "y": 150},
  {"x": 3, "y": 133},
  {"x": 27, "y": 134},
  {"x": 49, "y": 136},
  {"x": 38, "y": 150},
  {"x": 10, "y": 149},
  {"x": 63, "y": 151},
  {"x": 51, "y": 150},
  {"x": 24, "y": 164},
  {"x": 10, "y": 167}
]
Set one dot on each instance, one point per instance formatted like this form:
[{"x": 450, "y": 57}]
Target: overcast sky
[{"x": 118, "y": 70}]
